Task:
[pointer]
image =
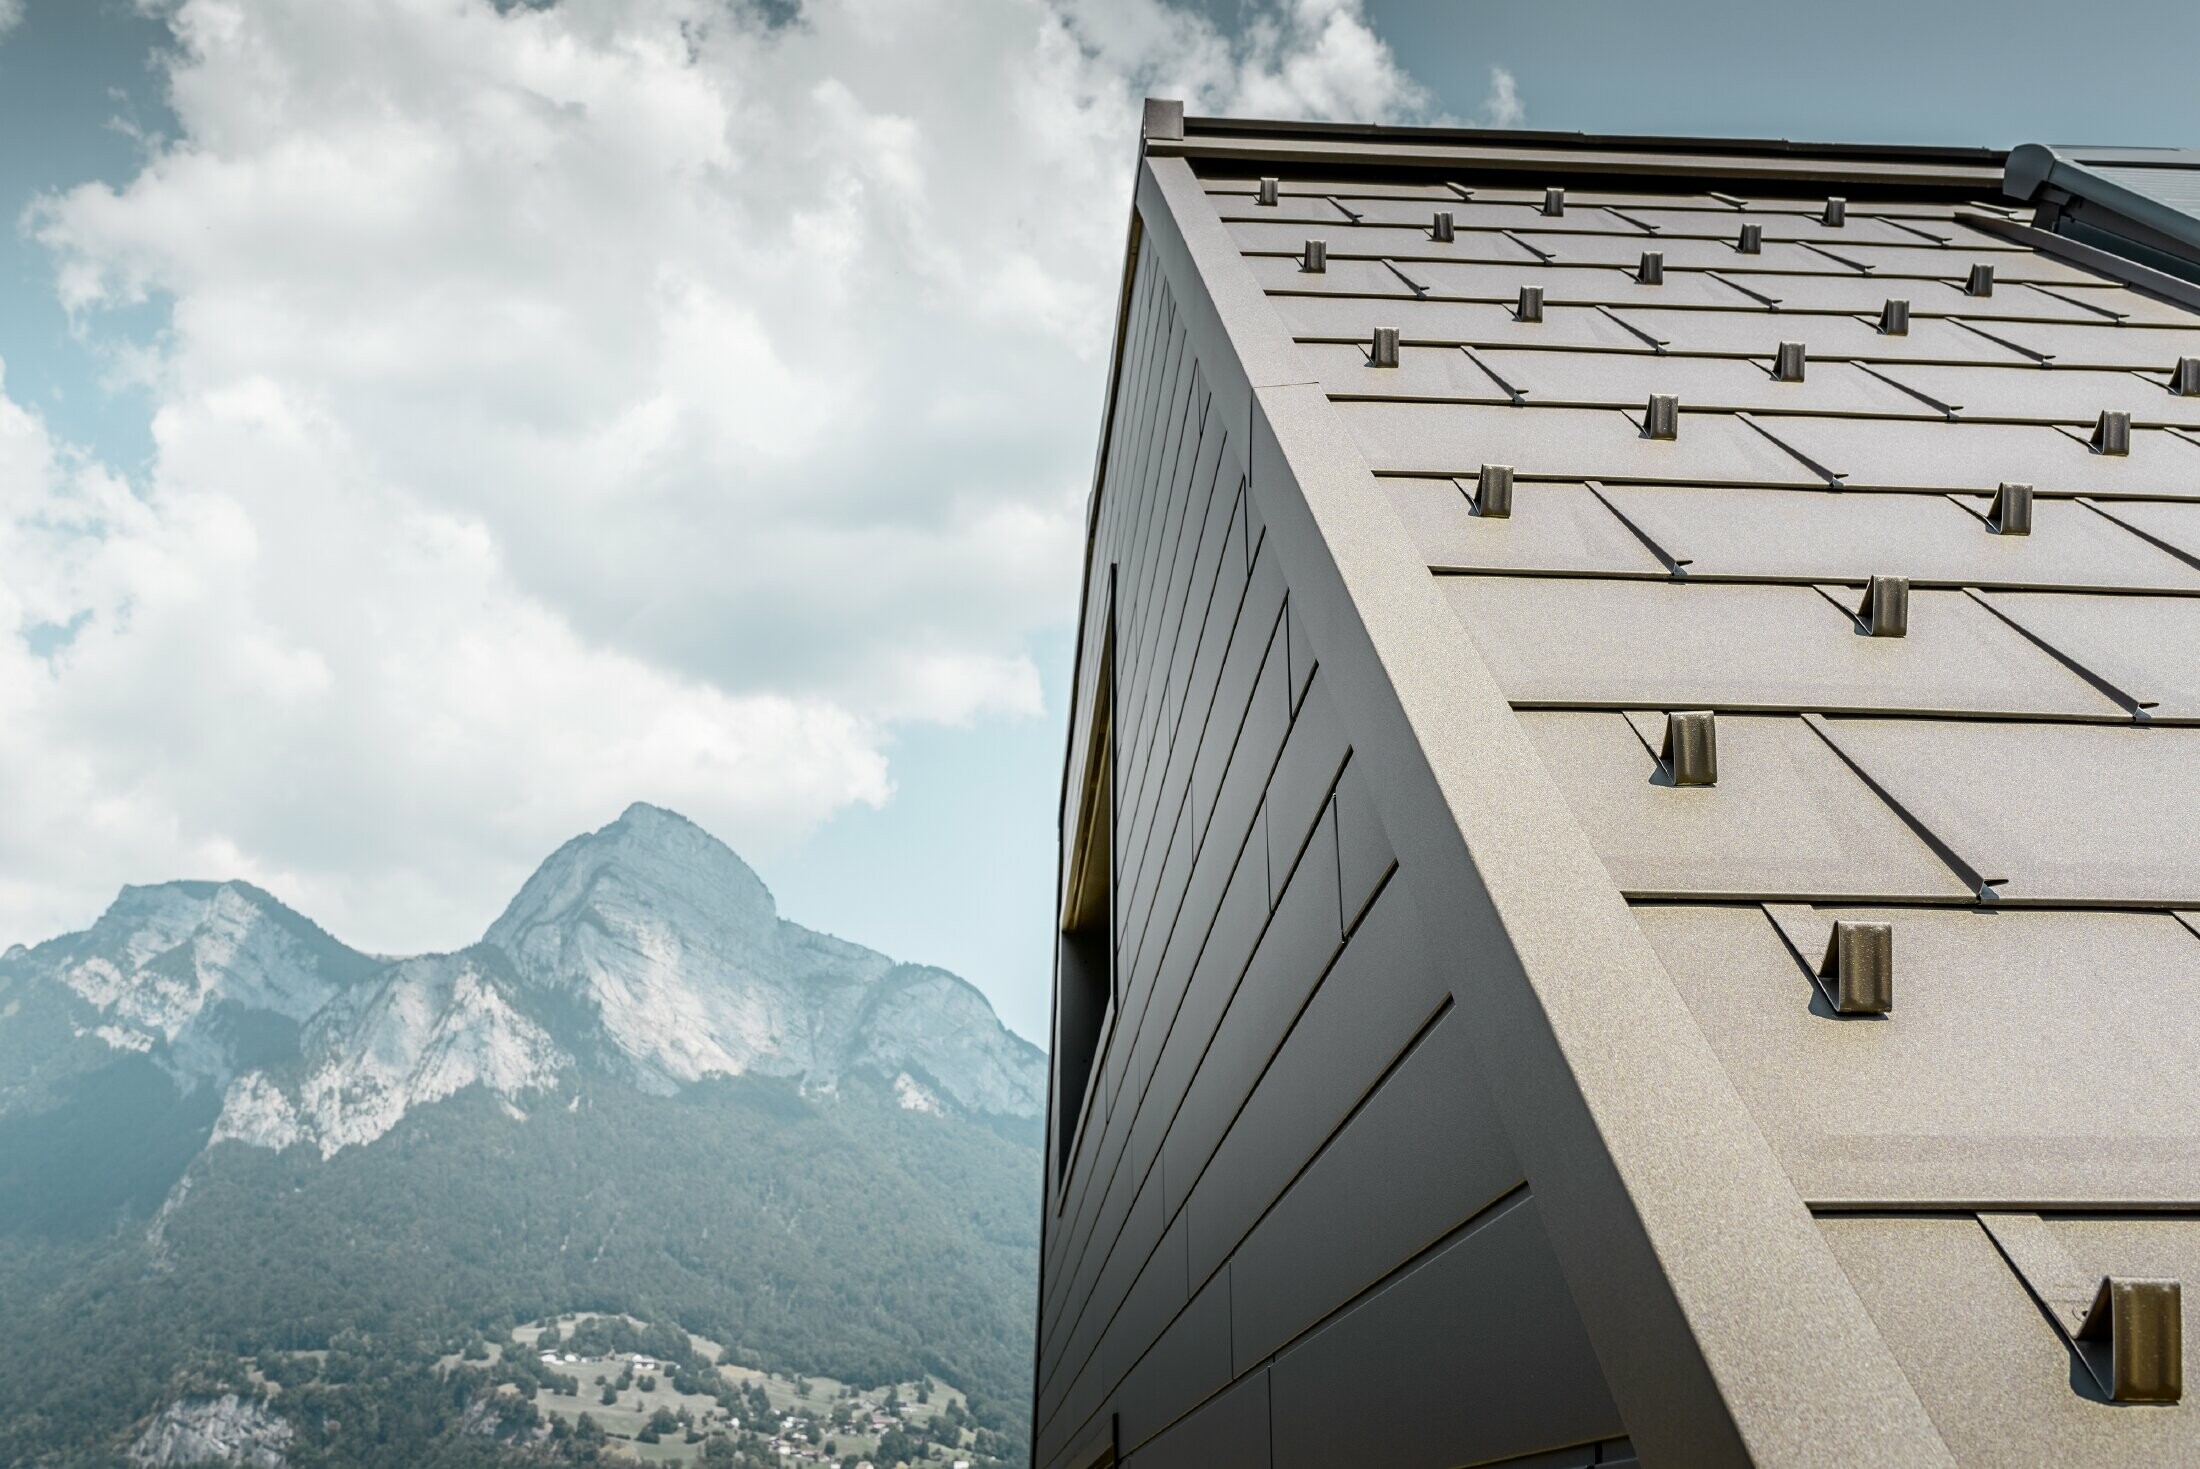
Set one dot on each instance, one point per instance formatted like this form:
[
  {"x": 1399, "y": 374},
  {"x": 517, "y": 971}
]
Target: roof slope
[{"x": 1896, "y": 396}]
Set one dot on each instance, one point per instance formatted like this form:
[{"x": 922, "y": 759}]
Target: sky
[{"x": 427, "y": 426}]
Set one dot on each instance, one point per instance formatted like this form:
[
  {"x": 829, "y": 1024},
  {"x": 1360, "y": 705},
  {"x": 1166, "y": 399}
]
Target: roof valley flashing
[{"x": 1517, "y": 754}]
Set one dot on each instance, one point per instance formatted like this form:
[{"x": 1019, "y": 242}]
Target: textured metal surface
[
  {"x": 1930, "y": 539},
  {"x": 1551, "y": 527},
  {"x": 1788, "y": 818},
  {"x": 2034, "y": 1058},
  {"x": 1604, "y": 643},
  {"x": 2107, "y": 813},
  {"x": 2000, "y": 1381}
]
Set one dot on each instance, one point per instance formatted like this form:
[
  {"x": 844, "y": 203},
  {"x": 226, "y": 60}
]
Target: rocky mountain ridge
[{"x": 646, "y": 951}]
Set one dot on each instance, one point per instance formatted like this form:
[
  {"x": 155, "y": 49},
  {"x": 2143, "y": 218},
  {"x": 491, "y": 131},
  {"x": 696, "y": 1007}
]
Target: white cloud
[
  {"x": 1501, "y": 105},
  {"x": 11, "y": 15},
  {"x": 563, "y": 405}
]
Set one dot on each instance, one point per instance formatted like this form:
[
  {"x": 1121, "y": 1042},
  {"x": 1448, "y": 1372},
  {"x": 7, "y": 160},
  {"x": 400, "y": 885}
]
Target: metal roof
[{"x": 1545, "y": 567}]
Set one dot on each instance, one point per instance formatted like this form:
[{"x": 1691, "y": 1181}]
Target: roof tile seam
[{"x": 1978, "y": 881}]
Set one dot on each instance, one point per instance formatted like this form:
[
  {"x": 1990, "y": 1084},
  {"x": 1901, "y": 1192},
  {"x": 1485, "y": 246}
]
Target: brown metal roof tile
[
  {"x": 1787, "y": 819},
  {"x": 1736, "y": 646},
  {"x": 1986, "y": 1085}
]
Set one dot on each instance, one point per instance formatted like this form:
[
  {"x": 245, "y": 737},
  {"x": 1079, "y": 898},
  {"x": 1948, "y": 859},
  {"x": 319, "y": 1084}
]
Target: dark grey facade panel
[
  {"x": 1172, "y": 767},
  {"x": 1186, "y": 1365},
  {"x": 1424, "y": 1154},
  {"x": 1093, "y": 1309},
  {"x": 1364, "y": 856},
  {"x": 1239, "y": 924},
  {"x": 1381, "y": 992},
  {"x": 1147, "y": 599},
  {"x": 1229, "y": 1432},
  {"x": 1162, "y": 1291},
  {"x": 1303, "y": 658},
  {"x": 1293, "y": 956},
  {"x": 1120, "y": 1166},
  {"x": 1480, "y": 1340},
  {"x": 1304, "y": 776},
  {"x": 1258, "y": 626}
]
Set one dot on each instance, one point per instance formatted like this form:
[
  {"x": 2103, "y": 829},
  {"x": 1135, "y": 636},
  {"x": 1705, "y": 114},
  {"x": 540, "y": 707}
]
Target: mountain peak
[{"x": 676, "y": 945}]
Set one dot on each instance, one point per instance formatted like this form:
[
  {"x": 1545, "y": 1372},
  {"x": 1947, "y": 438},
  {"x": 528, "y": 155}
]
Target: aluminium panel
[
  {"x": 1553, "y": 527},
  {"x": 1611, "y": 380},
  {"x": 2075, "y": 395},
  {"x": 1478, "y": 214},
  {"x": 1848, "y": 535},
  {"x": 1621, "y": 644},
  {"x": 1127, "y": 1299},
  {"x": 2173, "y": 524},
  {"x": 1136, "y": 1318},
  {"x": 1759, "y": 334},
  {"x": 2050, "y": 812},
  {"x": 1787, "y": 818},
  {"x": 1364, "y": 855},
  {"x": 2138, "y": 348},
  {"x": 1681, "y": 254},
  {"x": 1864, "y": 295},
  {"x": 1446, "y": 374},
  {"x": 1348, "y": 240},
  {"x": 2034, "y": 1058},
  {"x": 2112, "y": 1244},
  {"x": 1685, "y": 224},
  {"x": 1290, "y": 208},
  {"x": 1298, "y": 790},
  {"x": 2149, "y": 647},
  {"x": 1180, "y": 1035},
  {"x": 1420, "y": 1157},
  {"x": 1187, "y": 1365},
  {"x": 1999, "y": 1382},
  {"x": 1980, "y": 456},
  {"x": 1451, "y": 323},
  {"x": 2131, "y": 307},
  {"x": 1380, "y": 993},
  {"x": 1230, "y": 1431},
  {"x": 1577, "y": 285},
  {"x": 1474, "y": 1356},
  {"x": 1292, "y": 958},
  {"x": 1954, "y": 262},
  {"x": 1571, "y": 443},
  {"x": 1337, "y": 278}
]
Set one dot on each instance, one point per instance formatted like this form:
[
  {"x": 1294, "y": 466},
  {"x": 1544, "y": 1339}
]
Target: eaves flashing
[
  {"x": 1559, "y": 156},
  {"x": 1714, "y": 1304}
]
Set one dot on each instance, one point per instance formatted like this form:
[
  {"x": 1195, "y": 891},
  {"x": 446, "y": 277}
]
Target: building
[{"x": 1631, "y": 823}]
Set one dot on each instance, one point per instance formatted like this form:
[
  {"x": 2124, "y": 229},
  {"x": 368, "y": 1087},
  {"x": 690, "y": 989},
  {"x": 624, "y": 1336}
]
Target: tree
[{"x": 610, "y": 1395}]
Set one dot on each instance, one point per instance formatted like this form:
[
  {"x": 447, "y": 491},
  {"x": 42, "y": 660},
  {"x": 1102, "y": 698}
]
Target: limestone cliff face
[
  {"x": 646, "y": 951},
  {"x": 676, "y": 946}
]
